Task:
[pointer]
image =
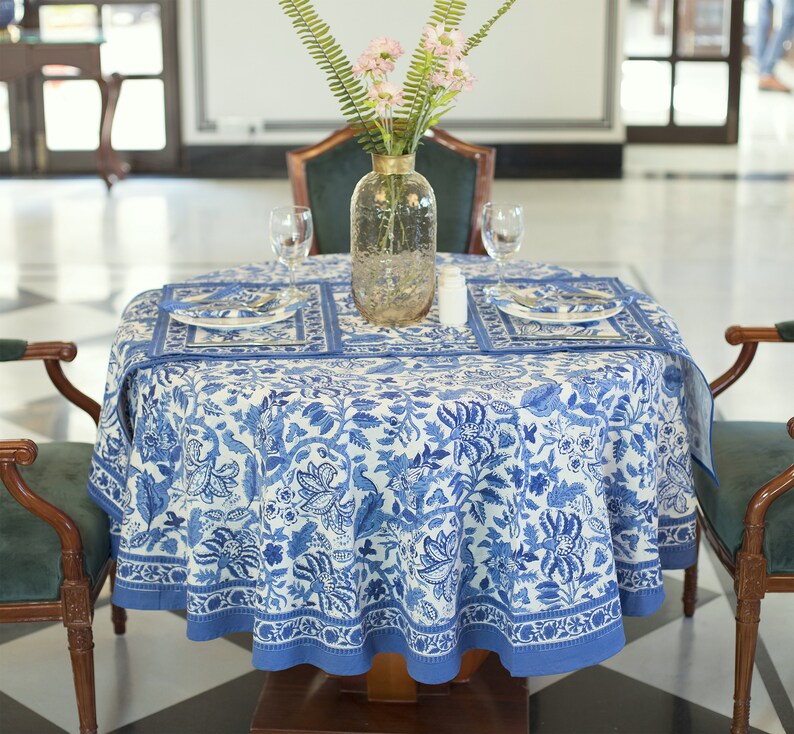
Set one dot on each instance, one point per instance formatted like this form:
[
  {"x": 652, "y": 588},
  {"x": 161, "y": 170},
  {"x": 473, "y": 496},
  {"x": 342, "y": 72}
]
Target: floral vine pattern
[{"x": 342, "y": 506}]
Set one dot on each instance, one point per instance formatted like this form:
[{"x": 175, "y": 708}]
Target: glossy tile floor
[{"x": 708, "y": 231}]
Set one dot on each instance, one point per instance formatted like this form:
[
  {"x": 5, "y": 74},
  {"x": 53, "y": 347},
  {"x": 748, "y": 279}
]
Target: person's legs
[
  {"x": 776, "y": 45},
  {"x": 762, "y": 27}
]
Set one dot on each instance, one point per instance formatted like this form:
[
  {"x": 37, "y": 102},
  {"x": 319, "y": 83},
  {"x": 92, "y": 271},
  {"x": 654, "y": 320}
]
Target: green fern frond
[
  {"x": 448, "y": 12},
  {"x": 477, "y": 38},
  {"x": 415, "y": 90},
  {"x": 315, "y": 35}
]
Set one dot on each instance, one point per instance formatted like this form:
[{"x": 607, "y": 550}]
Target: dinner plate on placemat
[
  {"x": 228, "y": 306},
  {"x": 549, "y": 317},
  {"x": 233, "y": 322}
]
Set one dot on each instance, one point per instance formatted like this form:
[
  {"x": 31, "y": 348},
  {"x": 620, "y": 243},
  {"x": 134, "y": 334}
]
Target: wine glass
[
  {"x": 291, "y": 238},
  {"x": 502, "y": 231}
]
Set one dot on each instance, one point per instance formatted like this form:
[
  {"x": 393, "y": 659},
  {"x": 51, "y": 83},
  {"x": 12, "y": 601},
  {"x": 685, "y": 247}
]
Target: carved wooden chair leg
[
  {"x": 118, "y": 615},
  {"x": 749, "y": 584},
  {"x": 77, "y": 620},
  {"x": 747, "y": 616},
  {"x": 690, "y": 597}
]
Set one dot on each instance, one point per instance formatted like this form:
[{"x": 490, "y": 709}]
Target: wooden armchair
[
  {"x": 749, "y": 518},
  {"x": 324, "y": 175},
  {"x": 54, "y": 541}
]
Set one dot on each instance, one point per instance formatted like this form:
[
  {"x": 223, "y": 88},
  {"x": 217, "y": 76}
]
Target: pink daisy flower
[
  {"x": 385, "y": 95},
  {"x": 386, "y": 48},
  {"x": 441, "y": 42},
  {"x": 455, "y": 77},
  {"x": 379, "y": 57}
]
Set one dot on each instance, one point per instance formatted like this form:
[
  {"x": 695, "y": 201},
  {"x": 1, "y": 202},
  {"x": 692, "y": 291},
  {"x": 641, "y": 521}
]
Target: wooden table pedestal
[{"x": 304, "y": 700}]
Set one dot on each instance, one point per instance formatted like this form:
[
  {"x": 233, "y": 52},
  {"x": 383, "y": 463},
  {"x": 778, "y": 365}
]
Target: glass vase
[{"x": 393, "y": 242}]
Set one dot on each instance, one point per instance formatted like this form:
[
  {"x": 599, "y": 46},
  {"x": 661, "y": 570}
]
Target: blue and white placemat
[
  {"x": 631, "y": 328},
  {"x": 306, "y": 332}
]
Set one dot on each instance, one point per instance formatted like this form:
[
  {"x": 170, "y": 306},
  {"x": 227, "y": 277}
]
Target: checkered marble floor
[{"x": 714, "y": 251}]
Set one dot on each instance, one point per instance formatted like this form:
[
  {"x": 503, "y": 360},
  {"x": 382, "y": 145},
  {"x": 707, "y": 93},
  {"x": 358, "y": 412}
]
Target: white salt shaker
[{"x": 452, "y": 296}]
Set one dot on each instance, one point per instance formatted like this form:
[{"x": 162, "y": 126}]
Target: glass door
[
  {"x": 64, "y": 106},
  {"x": 682, "y": 71}
]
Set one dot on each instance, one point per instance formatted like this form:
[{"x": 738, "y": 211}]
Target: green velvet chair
[
  {"x": 749, "y": 518},
  {"x": 324, "y": 175},
  {"x": 54, "y": 541}
]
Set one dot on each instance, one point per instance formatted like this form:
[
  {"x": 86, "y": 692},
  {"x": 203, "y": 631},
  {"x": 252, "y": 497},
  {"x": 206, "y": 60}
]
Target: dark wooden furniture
[
  {"x": 32, "y": 52},
  {"x": 51, "y": 578},
  {"x": 324, "y": 175},
  {"x": 749, "y": 517},
  {"x": 304, "y": 700}
]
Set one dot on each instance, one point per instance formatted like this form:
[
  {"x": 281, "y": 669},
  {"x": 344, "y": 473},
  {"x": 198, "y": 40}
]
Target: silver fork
[
  {"x": 572, "y": 298},
  {"x": 255, "y": 304}
]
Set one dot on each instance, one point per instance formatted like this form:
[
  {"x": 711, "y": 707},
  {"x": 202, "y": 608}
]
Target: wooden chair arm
[
  {"x": 53, "y": 353},
  {"x": 23, "y": 452},
  {"x": 749, "y": 338}
]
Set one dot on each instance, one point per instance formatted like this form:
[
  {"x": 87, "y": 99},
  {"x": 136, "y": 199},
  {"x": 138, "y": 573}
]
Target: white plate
[
  {"x": 543, "y": 317},
  {"x": 230, "y": 322}
]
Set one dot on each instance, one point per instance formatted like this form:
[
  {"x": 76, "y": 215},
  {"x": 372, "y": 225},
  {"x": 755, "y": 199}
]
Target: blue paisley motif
[
  {"x": 204, "y": 479},
  {"x": 676, "y": 486},
  {"x": 439, "y": 561},
  {"x": 325, "y": 500}
]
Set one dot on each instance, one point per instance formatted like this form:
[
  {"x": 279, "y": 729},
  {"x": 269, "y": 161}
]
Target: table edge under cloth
[{"x": 602, "y": 646}]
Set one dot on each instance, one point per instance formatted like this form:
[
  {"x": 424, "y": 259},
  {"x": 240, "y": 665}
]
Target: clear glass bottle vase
[{"x": 393, "y": 242}]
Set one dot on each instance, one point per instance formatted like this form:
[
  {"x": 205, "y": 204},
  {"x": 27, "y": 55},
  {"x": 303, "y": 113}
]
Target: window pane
[
  {"x": 140, "y": 117},
  {"x": 701, "y": 93},
  {"x": 645, "y": 92},
  {"x": 70, "y": 21},
  {"x": 71, "y": 115},
  {"x": 5, "y": 118},
  {"x": 133, "y": 39},
  {"x": 649, "y": 30},
  {"x": 704, "y": 27}
]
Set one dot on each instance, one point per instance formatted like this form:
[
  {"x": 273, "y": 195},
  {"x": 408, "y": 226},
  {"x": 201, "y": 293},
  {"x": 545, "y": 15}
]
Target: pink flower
[
  {"x": 386, "y": 48},
  {"x": 385, "y": 95},
  {"x": 441, "y": 42},
  {"x": 378, "y": 58},
  {"x": 364, "y": 64},
  {"x": 455, "y": 77}
]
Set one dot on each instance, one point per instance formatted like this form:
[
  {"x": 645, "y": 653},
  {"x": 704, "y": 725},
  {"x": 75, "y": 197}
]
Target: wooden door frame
[
  {"x": 728, "y": 133},
  {"x": 29, "y": 97}
]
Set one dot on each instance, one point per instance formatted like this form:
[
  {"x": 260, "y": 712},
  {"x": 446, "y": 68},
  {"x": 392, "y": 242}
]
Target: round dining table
[{"x": 343, "y": 490}]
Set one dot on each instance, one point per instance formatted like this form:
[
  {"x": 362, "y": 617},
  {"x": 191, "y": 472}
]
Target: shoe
[{"x": 770, "y": 83}]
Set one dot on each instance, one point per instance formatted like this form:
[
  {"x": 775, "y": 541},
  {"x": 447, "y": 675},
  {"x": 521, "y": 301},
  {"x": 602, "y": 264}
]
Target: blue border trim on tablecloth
[{"x": 557, "y": 659}]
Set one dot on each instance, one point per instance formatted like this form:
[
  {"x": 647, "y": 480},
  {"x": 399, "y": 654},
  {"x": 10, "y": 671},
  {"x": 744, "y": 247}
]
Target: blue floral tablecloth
[{"x": 405, "y": 490}]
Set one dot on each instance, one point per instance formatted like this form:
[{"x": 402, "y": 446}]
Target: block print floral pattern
[{"x": 335, "y": 505}]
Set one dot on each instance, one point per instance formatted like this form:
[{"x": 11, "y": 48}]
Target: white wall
[{"x": 548, "y": 72}]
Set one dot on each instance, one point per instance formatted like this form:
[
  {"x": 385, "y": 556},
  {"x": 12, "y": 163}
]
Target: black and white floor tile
[{"x": 714, "y": 252}]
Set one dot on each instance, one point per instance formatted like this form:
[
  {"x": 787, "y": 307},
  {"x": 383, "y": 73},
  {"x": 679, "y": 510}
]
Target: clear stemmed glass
[
  {"x": 502, "y": 231},
  {"x": 291, "y": 238}
]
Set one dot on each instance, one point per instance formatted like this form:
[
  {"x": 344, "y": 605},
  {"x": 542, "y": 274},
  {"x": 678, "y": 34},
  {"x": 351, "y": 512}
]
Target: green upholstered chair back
[{"x": 324, "y": 177}]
